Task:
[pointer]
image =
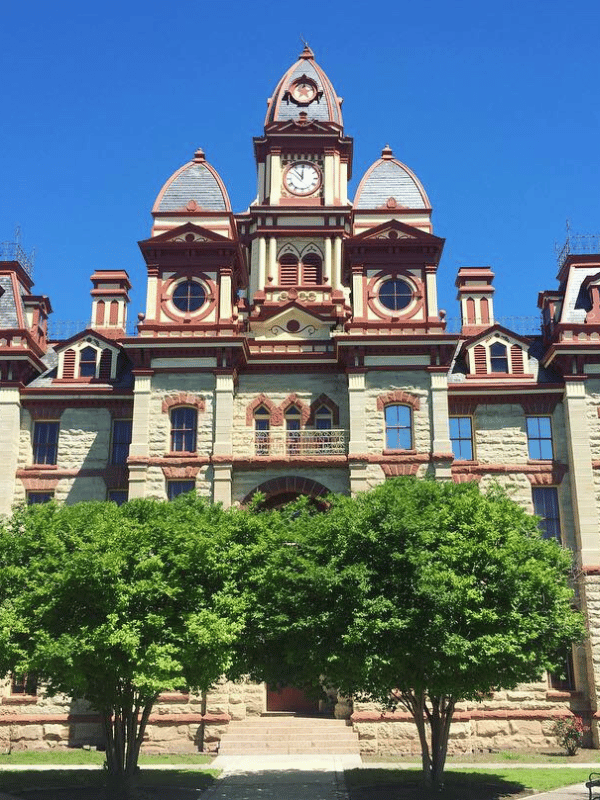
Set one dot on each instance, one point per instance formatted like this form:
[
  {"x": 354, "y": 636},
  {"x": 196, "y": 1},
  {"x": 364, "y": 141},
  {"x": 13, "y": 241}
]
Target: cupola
[
  {"x": 306, "y": 93},
  {"x": 194, "y": 193}
]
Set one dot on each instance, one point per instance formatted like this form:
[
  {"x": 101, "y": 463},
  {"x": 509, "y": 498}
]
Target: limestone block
[
  {"x": 491, "y": 727},
  {"x": 27, "y": 732},
  {"x": 526, "y": 727},
  {"x": 460, "y": 730},
  {"x": 166, "y": 733},
  {"x": 56, "y": 732}
]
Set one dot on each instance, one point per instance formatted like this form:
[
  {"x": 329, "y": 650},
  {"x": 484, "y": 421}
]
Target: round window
[
  {"x": 395, "y": 294},
  {"x": 189, "y": 296}
]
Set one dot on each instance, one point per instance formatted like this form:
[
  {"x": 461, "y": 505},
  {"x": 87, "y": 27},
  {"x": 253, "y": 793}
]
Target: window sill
[
  {"x": 535, "y": 461},
  {"x": 390, "y": 452},
  {"x": 38, "y": 467},
  {"x": 181, "y": 454},
  {"x": 465, "y": 462}
]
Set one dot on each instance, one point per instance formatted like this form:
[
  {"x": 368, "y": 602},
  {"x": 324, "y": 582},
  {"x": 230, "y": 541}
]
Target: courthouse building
[{"x": 297, "y": 348}]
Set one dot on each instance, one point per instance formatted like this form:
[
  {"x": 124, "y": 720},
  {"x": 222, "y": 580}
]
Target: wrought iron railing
[
  {"x": 12, "y": 251},
  {"x": 290, "y": 443},
  {"x": 525, "y": 326},
  {"x": 578, "y": 244},
  {"x": 59, "y": 329}
]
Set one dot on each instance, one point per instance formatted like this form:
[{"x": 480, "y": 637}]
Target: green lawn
[
  {"x": 27, "y": 783},
  {"x": 492, "y": 784}
]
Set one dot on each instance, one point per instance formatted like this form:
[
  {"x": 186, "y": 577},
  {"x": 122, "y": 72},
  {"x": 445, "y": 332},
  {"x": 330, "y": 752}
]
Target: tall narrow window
[
  {"x": 24, "y": 684},
  {"x": 323, "y": 419},
  {"x": 262, "y": 422},
  {"x": 288, "y": 270},
  {"x": 175, "y": 488},
  {"x": 87, "y": 362},
  {"x": 563, "y": 680},
  {"x": 292, "y": 426},
  {"x": 498, "y": 357},
  {"x": 398, "y": 428},
  {"x": 121, "y": 439},
  {"x": 45, "y": 442},
  {"x": 311, "y": 269},
  {"x": 184, "y": 422},
  {"x": 118, "y": 496},
  {"x": 461, "y": 436},
  {"x": 539, "y": 438},
  {"x": 545, "y": 506}
]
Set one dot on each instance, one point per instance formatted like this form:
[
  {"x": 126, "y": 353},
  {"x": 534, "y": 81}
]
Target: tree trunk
[
  {"x": 124, "y": 734},
  {"x": 439, "y": 717}
]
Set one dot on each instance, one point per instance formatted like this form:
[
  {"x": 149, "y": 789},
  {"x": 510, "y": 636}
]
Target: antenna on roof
[{"x": 17, "y": 234}]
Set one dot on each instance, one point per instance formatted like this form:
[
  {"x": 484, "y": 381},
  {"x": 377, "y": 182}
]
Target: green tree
[
  {"x": 114, "y": 605},
  {"x": 417, "y": 594}
]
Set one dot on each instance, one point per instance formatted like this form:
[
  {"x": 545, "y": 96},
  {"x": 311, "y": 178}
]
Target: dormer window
[
  {"x": 87, "y": 362},
  {"x": 498, "y": 357}
]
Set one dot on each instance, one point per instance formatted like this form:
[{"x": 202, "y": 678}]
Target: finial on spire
[
  {"x": 199, "y": 155},
  {"x": 307, "y": 52},
  {"x": 387, "y": 152}
]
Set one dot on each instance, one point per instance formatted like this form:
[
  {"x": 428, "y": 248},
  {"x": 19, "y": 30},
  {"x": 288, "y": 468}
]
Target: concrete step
[{"x": 288, "y": 735}]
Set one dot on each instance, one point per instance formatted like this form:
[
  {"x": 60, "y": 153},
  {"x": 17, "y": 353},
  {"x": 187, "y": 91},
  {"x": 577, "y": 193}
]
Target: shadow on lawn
[
  {"x": 89, "y": 784},
  {"x": 385, "y": 784}
]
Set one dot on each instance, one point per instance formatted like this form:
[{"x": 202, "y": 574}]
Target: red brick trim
[
  {"x": 466, "y": 716},
  {"x": 175, "y": 473},
  {"x": 73, "y": 719},
  {"x": 289, "y": 484},
  {"x": 183, "y": 399},
  {"x": 545, "y": 476},
  {"x": 398, "y": 396},
  {"x": 294, "y": 400},
  {"x": 396, "y": 470},
  {"x": 44, "y": 411},
  {"x": 462, "y": 478},
  {"x": 323, "y": 400},
  {"x": 19, "y": 700},
  {"x": 48, "y": 484},
  {"x": 262, "y": 400},
  {"x": 591, "y": 569}
]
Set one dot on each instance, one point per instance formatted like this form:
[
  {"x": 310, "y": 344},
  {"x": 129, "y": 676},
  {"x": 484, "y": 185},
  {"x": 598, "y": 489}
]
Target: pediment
[
  {"x": 291, "y": 322},
  {"x": 302, "y": 126},
  {"x": 394, "y": 231},
  {"x": 88, "y": 337},
  {"x": 189, "y": 233},
  {"x": 498, "y": 333}
]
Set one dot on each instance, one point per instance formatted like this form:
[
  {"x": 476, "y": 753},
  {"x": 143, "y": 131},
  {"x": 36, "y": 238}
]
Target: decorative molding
[
  {"x": 276, "y": 413},
  {"x": 398, "y": 396},
  {"x": 397, "y": 470},
  {"x": 289, "y": 484},
  {"x": 324, "y": 400},
  {"x": 183, "y": 399},
  {"x": 177, "y": 473},
  {"x": 294, "y": 400}
]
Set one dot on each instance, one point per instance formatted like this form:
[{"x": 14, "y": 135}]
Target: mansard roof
[
  {"x": 390, "y": 184},
  {"x": 196, "y": 186},
  {"x": 323, "y": 105}
]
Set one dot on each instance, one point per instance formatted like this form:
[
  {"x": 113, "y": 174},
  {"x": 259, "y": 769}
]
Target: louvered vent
[
  {"x": 288, "y": 271},
  {"x": 69, "y": 364},
  {"x": 516, "y": 357},
  {"x": 105, "y": 365},
  {"x": 311, "y": 270},
  {"x": 480, "y": 360},
  {"x": 100, "y": 313},
  {"x": 114, "y": 312}
]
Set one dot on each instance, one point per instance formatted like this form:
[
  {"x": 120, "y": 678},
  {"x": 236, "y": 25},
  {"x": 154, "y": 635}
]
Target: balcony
[{"x": 290, "y": 444}]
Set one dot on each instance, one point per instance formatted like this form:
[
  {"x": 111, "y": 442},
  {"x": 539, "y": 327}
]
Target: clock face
[
  {"x": 302, "y": 178},
  {"x": 303, "y": 91}
]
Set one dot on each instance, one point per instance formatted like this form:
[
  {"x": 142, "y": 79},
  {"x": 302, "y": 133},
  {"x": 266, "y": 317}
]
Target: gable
[{"x": 291, "y": 323}]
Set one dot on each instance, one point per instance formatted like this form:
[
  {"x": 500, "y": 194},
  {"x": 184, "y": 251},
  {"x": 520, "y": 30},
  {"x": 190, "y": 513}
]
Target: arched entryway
[{"x": 278, "y": 492}]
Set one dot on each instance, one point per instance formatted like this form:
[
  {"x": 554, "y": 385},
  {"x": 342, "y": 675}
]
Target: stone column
[
  {"x": 441, "y": 444},
  {"x": 275, "y": 177},
  {"x": 328, "y": 179},
  {"x": 587, "y": 537},
  {"x": 262, "y": 263},
  {"x": 10, "y": 426},
  {"x": 225, "y": 307},
  {"x": 139, "y": 449},
  {"x": 357, "y": 445}
]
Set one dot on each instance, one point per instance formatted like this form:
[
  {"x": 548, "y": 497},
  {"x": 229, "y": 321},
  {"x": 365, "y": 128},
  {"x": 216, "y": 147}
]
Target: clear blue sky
[{"x": 495, "y": 106}]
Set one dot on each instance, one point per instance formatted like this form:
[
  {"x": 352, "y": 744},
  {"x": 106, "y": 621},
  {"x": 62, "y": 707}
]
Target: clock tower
[{"x": 294, "y": 230}]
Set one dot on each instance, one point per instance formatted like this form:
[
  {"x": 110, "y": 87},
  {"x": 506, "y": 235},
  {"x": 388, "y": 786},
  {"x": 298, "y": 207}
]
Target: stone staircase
[{"x": 288, "y": 733}]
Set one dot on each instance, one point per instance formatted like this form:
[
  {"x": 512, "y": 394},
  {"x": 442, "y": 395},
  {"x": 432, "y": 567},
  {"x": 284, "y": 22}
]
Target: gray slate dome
[
  {"x": 320, "y": 103},
  {"x": 389, "y": 184},
  {"x": 196, "y": 186}
]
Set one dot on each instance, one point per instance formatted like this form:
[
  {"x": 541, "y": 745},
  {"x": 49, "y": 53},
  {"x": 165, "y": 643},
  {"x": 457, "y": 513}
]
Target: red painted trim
[
  {"x": 466, "y": 716},
  {"x": 183, "y": 399},
  {"x": 398, "y": 396},
  {"x": 173, "y": 472}
]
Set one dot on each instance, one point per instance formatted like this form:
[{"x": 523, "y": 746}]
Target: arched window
[
  {"x": 311, "y": 269},
  {"x": 262, "y": 422},
  {"x": 288, "y": 270},
  {"x": 323, "y": 419},
  {"x": 498, "y": 357},
  {"x": 87, "y": 362},
  {"x": 398, "y": 427},
  {"x": 293, "y": 418},
  {"x": 184, "y": 424}
]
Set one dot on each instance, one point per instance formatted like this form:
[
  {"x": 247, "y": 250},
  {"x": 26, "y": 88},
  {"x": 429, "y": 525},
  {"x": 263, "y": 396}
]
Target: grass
[
  {"x": 28, "y": 783},
  {"x": 522, "y": 756},
  {"x": 76, "y": 755},
  {"x": 491, "y": 784}
]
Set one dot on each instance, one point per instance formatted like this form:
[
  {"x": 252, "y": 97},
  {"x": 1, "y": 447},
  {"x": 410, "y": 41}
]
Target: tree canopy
[
  {"x": 117, "y": 604},
  {"x": 417, "y": 593}
]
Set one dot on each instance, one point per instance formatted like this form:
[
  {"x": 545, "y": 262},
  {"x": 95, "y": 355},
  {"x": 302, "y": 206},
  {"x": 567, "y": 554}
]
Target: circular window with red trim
[
  {"x": 395, "y": 294},
  {"x": 188, "y": 296}
]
